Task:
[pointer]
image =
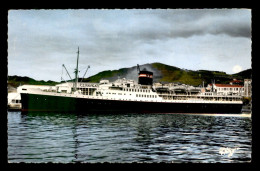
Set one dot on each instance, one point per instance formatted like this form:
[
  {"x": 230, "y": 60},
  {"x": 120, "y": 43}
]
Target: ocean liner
[{"x": 128, "y": 96}]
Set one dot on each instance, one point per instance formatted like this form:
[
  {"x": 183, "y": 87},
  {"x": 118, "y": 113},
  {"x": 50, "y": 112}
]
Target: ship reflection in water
[{"x": 126, "y": 138}]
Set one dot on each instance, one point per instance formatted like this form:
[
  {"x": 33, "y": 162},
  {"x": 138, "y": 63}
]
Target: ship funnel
[{"x": 145, "y": 77}]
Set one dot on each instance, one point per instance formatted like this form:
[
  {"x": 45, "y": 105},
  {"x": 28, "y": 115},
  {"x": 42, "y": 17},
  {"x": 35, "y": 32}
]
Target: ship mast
[{"x": 76, "y": 72}]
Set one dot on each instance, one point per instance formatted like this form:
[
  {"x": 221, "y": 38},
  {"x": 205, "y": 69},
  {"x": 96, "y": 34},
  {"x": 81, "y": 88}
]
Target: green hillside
[
  {"x": 244, "y": 74},
  {"x": 15, "y": 81},
  {"x": 106, "y": 75},
  {"x": 166, "y": 74},
  {"x": 174, "y": 74},
  {"x": 161, "y": 73}
]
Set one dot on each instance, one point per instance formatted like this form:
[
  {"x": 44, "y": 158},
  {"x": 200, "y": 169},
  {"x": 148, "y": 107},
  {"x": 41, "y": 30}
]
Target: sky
[{"x": 40, "y": 41}]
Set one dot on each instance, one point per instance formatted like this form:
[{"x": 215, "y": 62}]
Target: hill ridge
[
  {"x": 162, "y": 73},
  {"x": 167, "y": 73}
]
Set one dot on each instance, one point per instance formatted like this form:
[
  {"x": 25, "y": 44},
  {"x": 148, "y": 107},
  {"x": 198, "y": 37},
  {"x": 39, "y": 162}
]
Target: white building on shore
[
  {"x": 248, "y": 87},
  {"x": 14, "y": 100}
]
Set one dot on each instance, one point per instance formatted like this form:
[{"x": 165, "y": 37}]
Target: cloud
[
  {"x": 232, "y": 22},
  {"x": 113, "y": 39},
  {"x": 237, "y": 68}
]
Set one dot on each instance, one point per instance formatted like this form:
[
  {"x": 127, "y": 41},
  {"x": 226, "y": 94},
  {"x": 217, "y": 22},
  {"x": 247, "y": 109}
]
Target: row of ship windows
[
  {"x": 115, "y": 93},
  {"x": 136, "y": 90},
  {"x": 137, "y": 95},
  {"x": 147, "y": 96}
]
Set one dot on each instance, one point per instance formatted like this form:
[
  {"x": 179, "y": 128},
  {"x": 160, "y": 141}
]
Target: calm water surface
[{"x": 126, "y": 138}]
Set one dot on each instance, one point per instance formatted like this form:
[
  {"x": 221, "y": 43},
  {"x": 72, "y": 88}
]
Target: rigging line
[
  {"x": 63, "y": 80},
  {"x": 85, "y": 73},
  {"x": 61, "y": 73},
  {"x": 67, "y": 71}
]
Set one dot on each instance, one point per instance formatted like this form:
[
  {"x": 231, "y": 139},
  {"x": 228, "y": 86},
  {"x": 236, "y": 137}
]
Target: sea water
[{"x": 126, "y": 138}]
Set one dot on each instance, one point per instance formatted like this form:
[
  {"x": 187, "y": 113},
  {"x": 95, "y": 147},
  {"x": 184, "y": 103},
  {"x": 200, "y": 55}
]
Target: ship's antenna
[{"x": 76, "y": 72}]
